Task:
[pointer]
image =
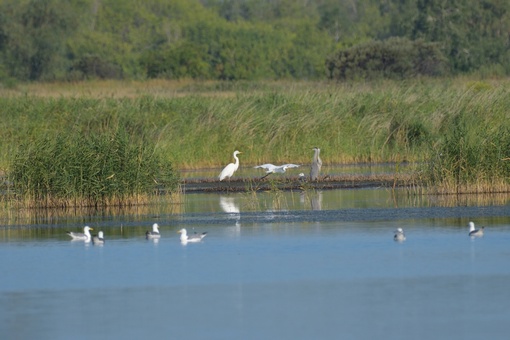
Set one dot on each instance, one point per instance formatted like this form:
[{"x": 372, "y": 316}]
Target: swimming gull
[
  {"x": 99, "y": 238},
  {"x": 85, "y": 236},
  {"x": 399, "y": 235},
  {"x": 154, "y": 233},
  {"x": 475, "y": 232},
  {"x": 190, "y": 238}
]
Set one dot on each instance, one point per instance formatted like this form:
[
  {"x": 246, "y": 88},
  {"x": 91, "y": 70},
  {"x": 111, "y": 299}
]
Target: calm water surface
[{"x": 273, "y": 266}]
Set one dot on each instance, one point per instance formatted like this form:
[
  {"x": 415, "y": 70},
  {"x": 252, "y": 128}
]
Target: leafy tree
[
  {"x": 33, "y": 36},
  {"x": 393, "y": 58}
]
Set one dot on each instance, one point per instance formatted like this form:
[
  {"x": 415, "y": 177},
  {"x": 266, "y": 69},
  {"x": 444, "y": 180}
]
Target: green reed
[
  {"x": 470, "y": 154},
  {"x": 200, "y": 125},
  {"x": 75, "y": 169}
]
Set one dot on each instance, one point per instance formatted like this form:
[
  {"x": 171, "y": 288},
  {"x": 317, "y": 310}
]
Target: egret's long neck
[
  {"x": 237, "y": 160},
  {"x": 184, "y": 235}
]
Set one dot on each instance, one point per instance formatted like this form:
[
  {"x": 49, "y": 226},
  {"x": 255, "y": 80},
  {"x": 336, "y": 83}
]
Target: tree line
[{"x": 44, "y": 40}]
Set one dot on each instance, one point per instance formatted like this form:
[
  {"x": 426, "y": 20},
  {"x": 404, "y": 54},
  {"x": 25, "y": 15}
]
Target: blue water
[{"x": 292, "y": 274}]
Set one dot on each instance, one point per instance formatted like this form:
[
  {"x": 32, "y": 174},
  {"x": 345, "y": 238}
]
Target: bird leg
[{"x": 261, "y": 178}]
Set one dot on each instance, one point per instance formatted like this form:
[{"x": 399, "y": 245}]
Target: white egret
[
  {"x": 85, "y": 236},
  {"x": 229, "y": 170},
  {"x": 271, "y": 169},
  {"x": 399, "y": 235},
  {"x": 99, "y": 238},
  {"x": 475, "y": 232},
  {"x": 316, "y": 165},
  {"x": 154, "y": 233},
  {"x": 191, "y": 238}
]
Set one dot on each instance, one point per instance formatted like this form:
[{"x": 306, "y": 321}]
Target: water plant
[
  {"x": 78, "y": 170},
  {"x": 472, "y": 156}
]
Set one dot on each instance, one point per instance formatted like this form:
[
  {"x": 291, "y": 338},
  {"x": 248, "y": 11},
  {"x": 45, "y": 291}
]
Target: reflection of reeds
[
  {"x": 33, "y": 216},
  {"x": 469, "y": 200}
]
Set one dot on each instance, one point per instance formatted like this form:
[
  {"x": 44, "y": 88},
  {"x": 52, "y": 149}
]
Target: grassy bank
[{"x": 198, "y": 125}]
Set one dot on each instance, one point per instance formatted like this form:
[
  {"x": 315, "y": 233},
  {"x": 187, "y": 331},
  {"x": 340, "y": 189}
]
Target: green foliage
[
  {"x": 73, "y": 169},
  {"x": 395, "y": 58},
  {"x": 458, "y": 128},
  {"x": 233, "y": 40},
  {"x": 33, "y": 35},
  {"x": 471, "y": 33},
  {"x": 471, "y": 159}
]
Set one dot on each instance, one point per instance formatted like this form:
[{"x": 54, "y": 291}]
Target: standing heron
[
  {"x": 229, "y": 170},
  {"x": 316, "y": 164}
]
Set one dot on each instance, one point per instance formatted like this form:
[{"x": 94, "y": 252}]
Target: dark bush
[
  {"x": 93, "y": 66},
  {"x": 395, "y": 58}
]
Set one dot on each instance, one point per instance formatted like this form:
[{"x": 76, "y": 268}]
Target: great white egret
[
  {"x": 399, "y": 235},
  {"x": 85, "y": 236},
  {"x": 190, "y": 238},
  {"x": 154, "y": 233},
  {"x": 229, "y": 170},
  {"x": 316, "y": 165},
  {"x": 270, "y": 168},
  {"x": 475, "y": 232},
  {"x": 99, "y": 238}
]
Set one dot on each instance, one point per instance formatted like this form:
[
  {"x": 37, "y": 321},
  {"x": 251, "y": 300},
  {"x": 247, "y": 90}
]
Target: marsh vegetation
[{"x": 456, "y": 131}]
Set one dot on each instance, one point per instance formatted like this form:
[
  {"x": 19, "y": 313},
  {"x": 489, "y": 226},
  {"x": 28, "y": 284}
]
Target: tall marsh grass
[
  {"x": 76, "y": 170},
  {"x": 199, "y": 125}
]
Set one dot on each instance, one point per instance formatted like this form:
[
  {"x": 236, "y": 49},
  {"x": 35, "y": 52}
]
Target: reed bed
[
  {"x": 197, "y": 125},
  {"x": 97, "y": 170}
]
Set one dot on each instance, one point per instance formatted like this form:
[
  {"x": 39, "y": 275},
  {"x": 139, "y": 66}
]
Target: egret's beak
[{"x": 91, "y": 229}]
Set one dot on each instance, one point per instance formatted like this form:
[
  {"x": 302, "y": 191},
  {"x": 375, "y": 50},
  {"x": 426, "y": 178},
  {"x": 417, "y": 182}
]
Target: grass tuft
[{"x": 96, "y": 170}]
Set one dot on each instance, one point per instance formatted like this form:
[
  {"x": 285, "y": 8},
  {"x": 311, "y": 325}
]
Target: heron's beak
[
  {"x": 91, "y": 229},
  {"x": 178, "y": 232}
]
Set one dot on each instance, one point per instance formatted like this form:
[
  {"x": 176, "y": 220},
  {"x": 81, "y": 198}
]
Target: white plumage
[
  {"x": 154, "y": 233},
  {"x": 99, "y": 238},
  {"x": 229, "y": 170},
  {"x": 475, "y": 232},
  {"x": 270, "y": 168},
  {"x": 399, "y": 235},
  {"x": 185, "y": 238},
  {"x": 85, "y": 236}
]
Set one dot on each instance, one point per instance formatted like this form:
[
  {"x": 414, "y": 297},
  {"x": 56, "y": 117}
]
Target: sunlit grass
[{"x": 199, "y": 124}]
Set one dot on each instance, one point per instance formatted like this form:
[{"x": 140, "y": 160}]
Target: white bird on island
[
  {"x": 475, "y": 232},
  {"x": 154, "y": 233},
  {"x": 99, "y": 238},
  {"x": 271, "y": 169},
  {"x": 85, "y": 236},
  {"x": 229, "y": 170},
  {"x": 399, "y": 235},
  {"x": 185, "y": 238},
  {"x": 316, "y": 165}
]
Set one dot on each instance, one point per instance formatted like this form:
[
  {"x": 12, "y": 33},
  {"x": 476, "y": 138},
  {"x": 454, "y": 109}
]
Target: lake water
[{"x": 276, "y": 265}]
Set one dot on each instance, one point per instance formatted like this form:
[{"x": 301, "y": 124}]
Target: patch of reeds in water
[
  {"x": 472, "y": 157},
  {"x": 97, "y": 170}
]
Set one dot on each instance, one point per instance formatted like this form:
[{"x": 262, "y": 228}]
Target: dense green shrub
[{"x": 395, "y": 58}]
